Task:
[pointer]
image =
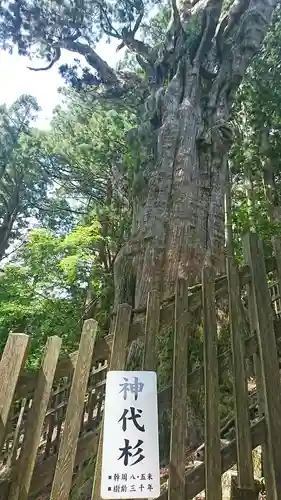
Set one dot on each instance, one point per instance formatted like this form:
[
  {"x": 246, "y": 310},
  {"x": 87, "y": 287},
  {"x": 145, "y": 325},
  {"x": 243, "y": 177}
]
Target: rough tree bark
[
  {"x": 180, "y": 225},
  {"x": 8, "y": 219}
]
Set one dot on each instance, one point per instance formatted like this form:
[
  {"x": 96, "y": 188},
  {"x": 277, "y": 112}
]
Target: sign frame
[{"x": 130, "y": 456}]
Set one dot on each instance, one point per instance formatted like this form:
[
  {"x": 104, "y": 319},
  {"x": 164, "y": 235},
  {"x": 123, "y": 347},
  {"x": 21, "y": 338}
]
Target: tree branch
[
  {"x": 139, "y": 19},
  {"x": 251, "y": 25},
  {"x": 52, "y": 209},
  {"x": 137, "y": 46},
  {"x": 4, "y": 201},
  {"x": 106, "y": 73},
  {"x": 6, "y": 229},
  {"x": 112, "y": 31},
  {"x": 143, "y": 64},
  {"x": 250, "y": 35},
  {"x": 211, "y": 14},
  {"x": 228, "y": 22},
  {"x": 56, "y": 58},
  {"x": 23, "y": 242},
  {"x": 140, "y": 48},
  {"x": 197, "y": 7},
  {"x": 175, "y": 21}
]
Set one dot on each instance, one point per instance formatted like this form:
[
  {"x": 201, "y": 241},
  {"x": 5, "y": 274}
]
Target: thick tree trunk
[
  {"x": 6, "y": 229},
  {"x": 180, "y": 226}
]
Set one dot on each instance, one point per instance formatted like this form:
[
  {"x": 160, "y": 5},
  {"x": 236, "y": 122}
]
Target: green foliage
[
  {"x": 80, "y": 221},
  {"x": 86, "y": 146},
  {"x": 44, "y": 294},
  {"x": 257, "y": 110},
  {"x": 23, "y": 183},
  {"x": 154, "y": 30},
  {"x": 25, "y": 309}
]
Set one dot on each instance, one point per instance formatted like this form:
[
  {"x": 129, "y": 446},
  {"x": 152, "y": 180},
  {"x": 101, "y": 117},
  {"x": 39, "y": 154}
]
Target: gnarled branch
[
  {"x": 111, "y": 31},
  {"x": 212, "y": 14},
  {"x": 250, "y": 35},
  {"x": 128, "y": 40},
  {"x": 139, "y": 19},
  {"x": 57, "y": 54},
  {"x": 251, "y": 25},
  {"x": 106, "y": 73},
  {"x": 229, "y": 21},
  {"x": 137, "y": 46}
]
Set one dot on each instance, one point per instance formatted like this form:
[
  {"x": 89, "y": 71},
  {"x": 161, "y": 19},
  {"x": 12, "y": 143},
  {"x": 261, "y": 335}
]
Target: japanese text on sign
[{"x": 130, "y": 462}]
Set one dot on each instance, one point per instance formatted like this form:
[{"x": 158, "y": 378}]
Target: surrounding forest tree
[
  {"x": 22, "y": 183},
  {"x": 256, "y": 148},
  {"x": 82, "y": 216}
]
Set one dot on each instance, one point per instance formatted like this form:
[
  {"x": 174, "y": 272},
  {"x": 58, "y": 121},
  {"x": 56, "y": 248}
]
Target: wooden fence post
[
  {"x": 242, "y": 418},
  {"x": 277, "y": 253},
  {"x": 268, "y": 356},
  {"x": 152, "y": 322},
  {"x": 117, "y": 362},
  {"x": 179, "y": 399},
  {"x": 12, "y": 459},
  {"x": 213, "y": 489},
  {"x": 66, "y": 457},
  {"x": 260, "y": 387},
  {"x": 21, "y": 479},
  {"x": 12, "y": 362}
]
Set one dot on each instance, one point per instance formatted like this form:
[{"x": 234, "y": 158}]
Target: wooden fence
[{"x": 51, "y": 420}]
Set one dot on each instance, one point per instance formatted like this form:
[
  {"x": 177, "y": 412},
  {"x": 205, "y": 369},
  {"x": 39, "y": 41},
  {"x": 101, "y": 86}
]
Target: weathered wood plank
[
  {"x": 195, "y": 379},
  {"x": 23, "y": 472},
  {"x": 65, "y": 367},
  {"x": 13, "y": 455},
  {"x": 179, "y": 401},
  {"x": 68, "y": 445},
  {"x": 277, "y": 253},
  {"x": 11, "y": 364},
  {"x": 260, "y": 388},
  {"x": 117, "y": 362},
  {"x": 44, "y": 470},
  {"x": 268, "y": 356},
  {"x": 242, "y": 419},
  {"x": 167, "y": 311},
  {"x": 87, "y": 448},
  {"x": 27, "y": 382},
  {"x": 266, "y": 457},
  {"x": 195, "y": 479},
  {"x": 238, "y": 493},
  {"x": 151, "y": 330},
  {"x": 212, "y": 418}
]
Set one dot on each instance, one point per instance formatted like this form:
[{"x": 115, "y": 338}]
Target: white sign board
[{"x": 130, "y": 461}]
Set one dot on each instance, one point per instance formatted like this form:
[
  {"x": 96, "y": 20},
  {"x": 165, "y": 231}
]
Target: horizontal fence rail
[{"x": 51, "y": 419}]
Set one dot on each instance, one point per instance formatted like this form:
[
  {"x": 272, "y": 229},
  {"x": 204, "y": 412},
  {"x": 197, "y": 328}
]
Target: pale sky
[{"x": 17, "y": 79}]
